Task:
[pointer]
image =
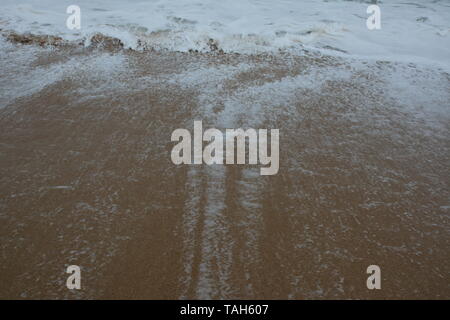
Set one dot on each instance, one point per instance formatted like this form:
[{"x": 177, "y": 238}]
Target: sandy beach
[{"x": 86, "y": 176}]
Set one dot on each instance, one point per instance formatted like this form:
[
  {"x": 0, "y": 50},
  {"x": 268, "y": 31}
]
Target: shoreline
[{"x": 364, "y": 150}]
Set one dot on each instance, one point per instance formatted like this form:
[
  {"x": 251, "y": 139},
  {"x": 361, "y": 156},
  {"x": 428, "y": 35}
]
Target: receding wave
[{"x": 409, "y": 31}]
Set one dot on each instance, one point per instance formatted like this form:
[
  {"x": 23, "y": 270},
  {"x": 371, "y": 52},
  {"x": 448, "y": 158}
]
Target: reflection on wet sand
[{"x": 86, "y": 178}]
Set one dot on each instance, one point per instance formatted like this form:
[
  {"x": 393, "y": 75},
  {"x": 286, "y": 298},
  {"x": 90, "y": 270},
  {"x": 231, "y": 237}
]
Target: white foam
[
  {"x": 20, "y": 78},
  {"x": 410, "y": 31}
]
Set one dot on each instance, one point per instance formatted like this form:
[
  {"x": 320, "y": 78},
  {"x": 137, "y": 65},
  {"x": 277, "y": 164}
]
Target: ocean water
[
  {"x": 410, "y": 30},
  {"x": 86, "y": 176}
]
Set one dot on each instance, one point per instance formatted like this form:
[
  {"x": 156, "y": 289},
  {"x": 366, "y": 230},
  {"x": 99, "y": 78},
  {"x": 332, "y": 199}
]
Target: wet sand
[{"x": 86, "y": 178}]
